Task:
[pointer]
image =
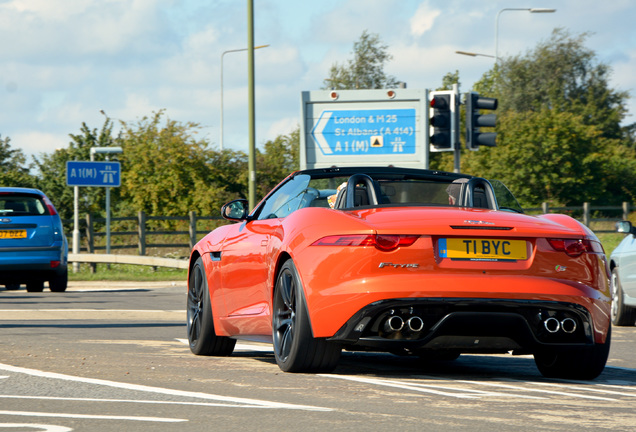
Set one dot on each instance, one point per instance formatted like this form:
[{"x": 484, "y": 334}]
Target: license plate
[
  {"x": 482, "y": 249},
  {"x": 12, "y": 234}
]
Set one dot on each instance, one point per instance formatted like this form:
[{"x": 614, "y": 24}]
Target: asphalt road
[{"x": 113, "y": 357}]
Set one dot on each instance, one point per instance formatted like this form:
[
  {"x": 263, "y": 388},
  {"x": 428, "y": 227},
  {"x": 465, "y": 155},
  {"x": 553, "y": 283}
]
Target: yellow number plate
[
  {"x": 12, "y": 234},
  {"x": 482, "y": 249}
]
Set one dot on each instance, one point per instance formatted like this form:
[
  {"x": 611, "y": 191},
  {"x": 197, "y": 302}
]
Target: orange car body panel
[{"x": 338, "y": 281}]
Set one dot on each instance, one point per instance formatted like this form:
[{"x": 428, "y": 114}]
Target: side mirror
[
  {"x": 236, "y": 210},
  {"x": 625, "y": 227}
]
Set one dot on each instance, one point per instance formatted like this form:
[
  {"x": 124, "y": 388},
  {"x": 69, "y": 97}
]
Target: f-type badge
[{"x": 388, "y": 264}]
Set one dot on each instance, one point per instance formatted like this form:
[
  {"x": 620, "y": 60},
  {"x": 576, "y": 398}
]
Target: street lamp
[
  {"x": 531, "y": 10},
  {"x": 222, "y": 55},
  {"x": 472, "y": 54}
]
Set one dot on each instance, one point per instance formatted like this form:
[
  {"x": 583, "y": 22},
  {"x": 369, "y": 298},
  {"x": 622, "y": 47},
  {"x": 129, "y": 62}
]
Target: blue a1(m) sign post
[
  {"x": 97, "y": 174},
  {"x": 100, "y": 174}
]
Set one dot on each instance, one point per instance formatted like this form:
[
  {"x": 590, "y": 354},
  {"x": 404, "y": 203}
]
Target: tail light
[
  {"x": 381, "y": 242},
  {"x": 576, "y": 247},
  {"x": 49, "y": 205}
]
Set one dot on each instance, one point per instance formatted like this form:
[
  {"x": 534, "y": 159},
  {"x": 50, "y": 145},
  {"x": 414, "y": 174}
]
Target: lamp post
[
  {"x": 472, "y": 54},
  {"x": 223, "y": 55},
  {"x": 531, "y": 10}
]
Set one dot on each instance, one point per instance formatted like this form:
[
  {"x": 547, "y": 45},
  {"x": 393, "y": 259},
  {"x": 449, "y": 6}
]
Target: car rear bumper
[
  {"x": 24, "y": 264},
  {"x": 414, "y": 325},
  {"x": 332, "y": 308}
]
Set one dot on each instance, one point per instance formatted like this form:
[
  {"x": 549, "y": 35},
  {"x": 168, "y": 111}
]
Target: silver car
[{"x": 623, "y": 266}]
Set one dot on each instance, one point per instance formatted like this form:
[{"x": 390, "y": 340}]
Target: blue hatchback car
[{"x": 33, "y": 247}]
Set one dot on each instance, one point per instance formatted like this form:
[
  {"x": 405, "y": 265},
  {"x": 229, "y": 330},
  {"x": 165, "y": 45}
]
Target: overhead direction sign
[
  {"x": 100, "y": 174},
  {"x": 377, "y": 127},
  {"x": 365, "y": 131}
]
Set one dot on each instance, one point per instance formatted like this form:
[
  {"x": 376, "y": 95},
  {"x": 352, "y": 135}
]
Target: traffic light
[
  {"x": 475, "y": 120},
  {"x": 440, "y": 120}
]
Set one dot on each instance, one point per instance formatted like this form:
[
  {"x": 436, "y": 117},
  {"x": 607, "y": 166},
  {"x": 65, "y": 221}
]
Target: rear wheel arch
[
  {"x": 280, "y": 262},
  {"x": 295, "y": 348},
  {"x": 193, "y": 259}
]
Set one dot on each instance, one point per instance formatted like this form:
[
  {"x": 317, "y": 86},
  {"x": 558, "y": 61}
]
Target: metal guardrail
[{"x": 127, "y": 259}]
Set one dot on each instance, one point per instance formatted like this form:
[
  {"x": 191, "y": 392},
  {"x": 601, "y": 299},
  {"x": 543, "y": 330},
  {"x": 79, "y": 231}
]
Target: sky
[{"x": 63, "y": 62}]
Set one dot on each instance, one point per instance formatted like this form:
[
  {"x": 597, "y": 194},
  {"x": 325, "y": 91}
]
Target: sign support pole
[
  {"x": 107, "y": 216},
  {"x": 76, "y": 233}
]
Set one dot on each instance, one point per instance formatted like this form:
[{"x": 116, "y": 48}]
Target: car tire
[
  {"x": 12, "y": 286},
  {"x": 622, "y": 315},
  {"x": 581, "y": 364},
  {"x": 295, "y": 348},
  {"x": 36, "y": 286},
  {"x": 200, "y": 324},
  {"x": 59, "y": 283}
]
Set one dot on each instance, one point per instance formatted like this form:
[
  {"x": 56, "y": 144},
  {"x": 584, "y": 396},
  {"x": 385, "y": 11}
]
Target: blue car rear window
[{"x": 22, "y": 205}]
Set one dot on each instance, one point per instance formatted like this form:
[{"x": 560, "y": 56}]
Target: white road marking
[
  {"x": 159, "y": 390},
  {"x": 91, "y": 416},
  {"x": 90, "y": 314},
  {"x": 39, "y": 427},
  {"x": 589, "y": 388},
  {"x": 134, "y": 401},
  {"x": 472, "y": 393},
  {"x": 406, "y": 386},
  {"x": 512, "y": 387}
]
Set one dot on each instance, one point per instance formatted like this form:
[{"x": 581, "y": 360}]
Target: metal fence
[
  {"x": 596, "y": 218},
  {"x": 146, "y": 231}
]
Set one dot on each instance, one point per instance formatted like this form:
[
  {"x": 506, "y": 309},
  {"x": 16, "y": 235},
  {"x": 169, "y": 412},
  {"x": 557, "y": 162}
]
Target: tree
[
  {"x": 365, "y": 70},
  {"x": 559, "y": 132},
  {"x": 564, "y": 75},
  {"x": 280, "y": 158},
  {"x": 14, "y": 170},
  {"x": 165, "y": 169}
]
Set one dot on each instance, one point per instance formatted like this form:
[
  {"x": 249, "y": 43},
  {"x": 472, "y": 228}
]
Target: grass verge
[{"x": 127, "y": 272}]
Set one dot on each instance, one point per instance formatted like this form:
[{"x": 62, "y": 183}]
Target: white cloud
[
  {"x": 67, "y": 59},
  {"x": 423, "y": 19},
  {"x": 34, "y": 143}
]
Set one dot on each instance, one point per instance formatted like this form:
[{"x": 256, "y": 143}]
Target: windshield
[{"x": 505, "y": 198}]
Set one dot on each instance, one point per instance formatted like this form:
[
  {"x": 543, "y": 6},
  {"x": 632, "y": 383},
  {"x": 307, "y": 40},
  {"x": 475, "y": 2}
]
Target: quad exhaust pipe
[
  {"x": 396, "y": 323},
  {"x": 553, "y": 325},
  {"x": 415, "y": 324}
]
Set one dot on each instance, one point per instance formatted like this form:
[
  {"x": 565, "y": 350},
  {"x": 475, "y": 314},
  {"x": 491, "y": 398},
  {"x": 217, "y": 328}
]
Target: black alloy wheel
[
  {"x": 295, "y": 348},
  {"x": 200, "y": 324}
]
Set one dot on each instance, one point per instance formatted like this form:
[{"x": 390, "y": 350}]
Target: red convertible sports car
[{"x": 406, "y": 261}]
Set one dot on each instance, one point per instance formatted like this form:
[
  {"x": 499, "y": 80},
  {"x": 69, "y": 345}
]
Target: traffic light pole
[{"x": 455, "y": 142}]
